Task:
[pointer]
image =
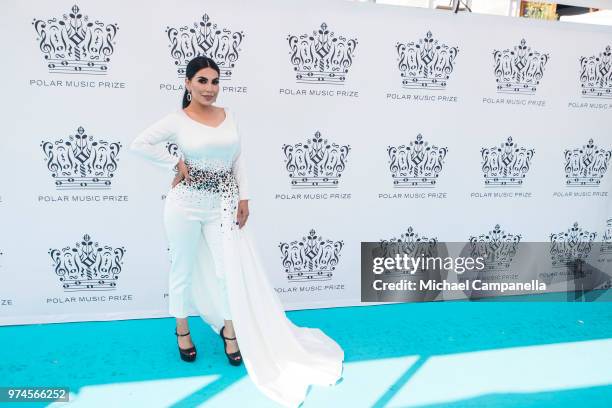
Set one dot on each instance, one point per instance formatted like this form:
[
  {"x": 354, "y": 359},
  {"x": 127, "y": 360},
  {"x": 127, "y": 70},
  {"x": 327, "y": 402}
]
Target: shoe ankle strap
[
  {"x": 181, "y": 335},
  {"x": 223, "y": 334}
]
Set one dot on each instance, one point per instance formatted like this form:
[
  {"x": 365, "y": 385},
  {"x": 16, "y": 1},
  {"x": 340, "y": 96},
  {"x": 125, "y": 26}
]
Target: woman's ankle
[{"x": 182, "y": 326}]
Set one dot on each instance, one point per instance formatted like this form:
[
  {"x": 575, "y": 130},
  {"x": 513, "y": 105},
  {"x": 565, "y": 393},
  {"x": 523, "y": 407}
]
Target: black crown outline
[
  {"x": 426, "y": 64},
  {"x": 321, "y": 57},
  {"x": 606, "y": 244},
  {"x": 497, "y": 248},
  {"x": 205, "y": 38},
  {"x": 586, "y": 166},
  {"x": 80, "y": 162},
  {"x": 409, "y": 243},
  {"x": 73, "y": 44},
  {"x": 596, "y": 75},
  {"x": 505, "y": 165},
  {"x": 312, "y": 258},
  {"x": 519, "y": 70},
  {"x": 571, "y": 246},
  {"x": 173, "y": 149},
  {"x": 315, "y": 163},
  {"x": 416, "y": 165},
  {"x": 88, "y": 266}
]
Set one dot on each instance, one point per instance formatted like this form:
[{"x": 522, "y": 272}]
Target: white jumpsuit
[
  {"x": 197, "y": 212},
  {"x": 215, "y": 267}
]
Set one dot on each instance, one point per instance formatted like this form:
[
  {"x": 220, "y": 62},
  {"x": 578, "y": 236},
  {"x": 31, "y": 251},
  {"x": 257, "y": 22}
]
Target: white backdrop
[{"x": 49, "y": 92}]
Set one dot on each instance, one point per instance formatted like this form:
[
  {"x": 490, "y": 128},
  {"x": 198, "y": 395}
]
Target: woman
[{"x": 214, "y": 265}]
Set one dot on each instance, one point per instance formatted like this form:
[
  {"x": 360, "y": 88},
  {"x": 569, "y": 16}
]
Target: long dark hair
[{"x": 194, "y": 66}]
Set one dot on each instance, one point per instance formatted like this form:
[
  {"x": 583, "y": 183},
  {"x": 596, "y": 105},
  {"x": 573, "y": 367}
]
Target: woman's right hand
[{"x": 182, "y": 174}]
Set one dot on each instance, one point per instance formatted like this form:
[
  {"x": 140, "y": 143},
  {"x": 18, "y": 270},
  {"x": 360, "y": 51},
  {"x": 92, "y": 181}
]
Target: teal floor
[{"x": 442, "y": 354}]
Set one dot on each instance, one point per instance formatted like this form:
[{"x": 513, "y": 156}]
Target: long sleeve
[
  {"x": 239, "y": 168},
  {"x": 150, "y": 142}
]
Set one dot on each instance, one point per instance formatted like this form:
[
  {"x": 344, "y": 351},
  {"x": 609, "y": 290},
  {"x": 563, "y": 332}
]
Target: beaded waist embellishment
[{"x": 211, "y": 178}]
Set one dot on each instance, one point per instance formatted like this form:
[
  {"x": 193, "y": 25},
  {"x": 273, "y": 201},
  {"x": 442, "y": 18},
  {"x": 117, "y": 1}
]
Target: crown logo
[
  {"x": 312, "y": 258},
  {"x": 173, "y": 149},
  {"x": 74, "y": 44},
  {"x": 205, "y": 38},
  {"x": 321, "y": 57},
  {"x": 410, "y": 244},
  {"x": 426, "y": 64},
  {"x": 586, "y": 166},
  {"x": 506, "y": 165},
  {"x": 417, "y": 164},
  {"x": 497, "y": 248},
  {"x": 606, "y": 244},
  {"x": 519, "y": 70},
  {"x": 315, "y": 163},
  {"x": 571, "y": 246},
  {"x": 596, "y": 75},
  {"x": 81, "y": 163},
  {"x": 88, "y": 265}
]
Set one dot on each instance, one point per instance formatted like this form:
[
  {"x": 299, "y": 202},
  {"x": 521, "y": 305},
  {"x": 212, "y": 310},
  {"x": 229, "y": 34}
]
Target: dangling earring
[{"x": 189, "y": 96}]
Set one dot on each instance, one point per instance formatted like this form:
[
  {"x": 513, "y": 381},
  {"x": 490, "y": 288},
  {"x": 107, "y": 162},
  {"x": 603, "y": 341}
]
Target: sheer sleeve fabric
[
  {"x": 155, "y": 142},
  {"x": 239, "y": 166}
]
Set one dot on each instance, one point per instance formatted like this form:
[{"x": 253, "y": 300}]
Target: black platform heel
[
  {"x": 188, "y": 355},
  {"x": 235, "y": 358}
]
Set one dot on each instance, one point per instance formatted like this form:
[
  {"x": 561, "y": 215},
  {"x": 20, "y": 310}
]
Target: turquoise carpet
[{"x": 442, "y": 354}]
